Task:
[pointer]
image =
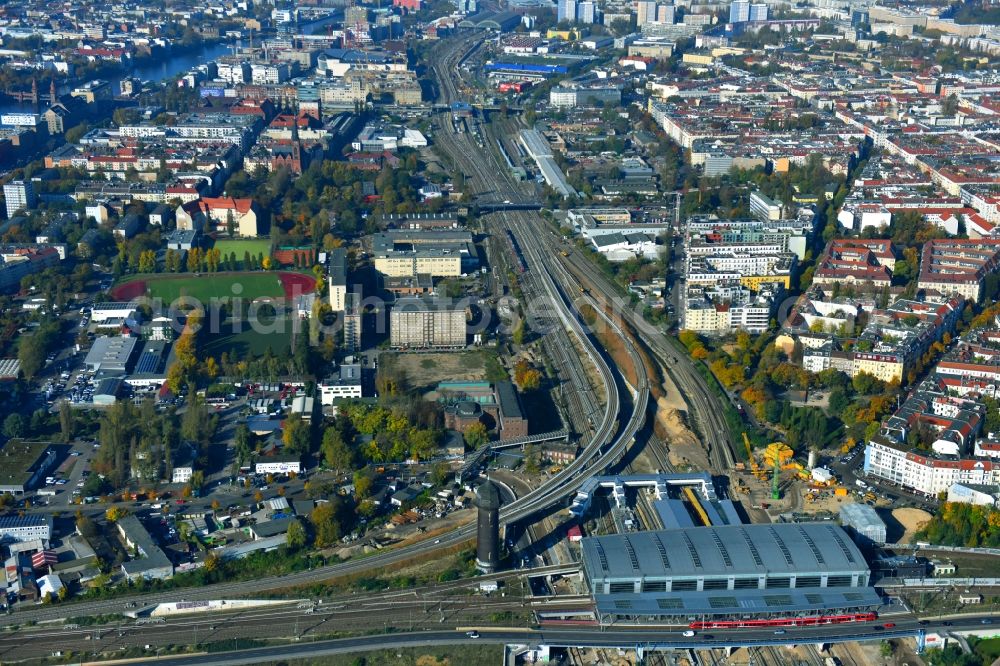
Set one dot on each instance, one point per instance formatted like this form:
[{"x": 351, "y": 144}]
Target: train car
[{"x": 811, "y": 621}]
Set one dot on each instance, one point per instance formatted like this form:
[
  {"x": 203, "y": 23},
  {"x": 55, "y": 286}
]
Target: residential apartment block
[{"x": 419, "y": 322}]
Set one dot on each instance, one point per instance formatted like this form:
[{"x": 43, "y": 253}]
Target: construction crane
[
  {"x": 757, "y": 471},
  {"x": 775, "y": 478}
]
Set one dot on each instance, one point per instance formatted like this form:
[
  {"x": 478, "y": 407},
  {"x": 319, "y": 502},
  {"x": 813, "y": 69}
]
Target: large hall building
[{"x": 737, "y": 572}]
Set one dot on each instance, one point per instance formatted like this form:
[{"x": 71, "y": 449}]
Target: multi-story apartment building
[
  {"x": 739, "y": 11},
  {"x": 856, "y": 262},
  {"x": 929, "y": 443},
  {"x": 18, "y": 195},
  {"x": 722, "y": 309},
  {"x": 419, "y": 322},
  {"x": 353, "y": 323},
  {"x": 958, "y": 266},
  {"x": 763, "y": 207},
  {"x": 337, "y": 279}
]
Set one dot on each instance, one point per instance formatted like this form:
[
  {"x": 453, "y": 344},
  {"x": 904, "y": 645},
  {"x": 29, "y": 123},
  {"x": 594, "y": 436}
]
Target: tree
[
  {"x": 197, "y": 480},
  {"x": 440, "y": 471},
  {"x": 296, "y": 436},
  {"x": 886, "y": 649},
  {"x": 63, "y": 593},
  {"x": 13, "y": 426},
  {"x": 532, "y": 459},
  {"x": 243, "y": 452},
  {"x": 476, "y": 435},
  {"x": 115, "y": 513},
  {"x": 336, "y": 453},
  {"x": 212, "y": 562},
  {"x": 526, "y": 377},
  {"x": 520, "y": 331},
  {"x": 66, "y": 421},
  {"x": 325, "y": 523},
  {"x": 295, "y": 538},
  {"x": 31, "y": 354},
  {"x": 362, "y": 484}
]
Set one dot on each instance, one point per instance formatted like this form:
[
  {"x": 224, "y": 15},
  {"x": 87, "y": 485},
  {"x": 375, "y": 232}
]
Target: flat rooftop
[
  {"x": 726, "y": 549},
  {"x": 19, "y": 460}
]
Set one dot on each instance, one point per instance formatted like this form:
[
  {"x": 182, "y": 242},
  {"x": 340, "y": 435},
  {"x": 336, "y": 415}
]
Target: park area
[{"x": 206, "y": 286}]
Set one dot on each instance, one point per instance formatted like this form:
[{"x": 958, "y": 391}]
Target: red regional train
[{"x": 813, "y": 621}]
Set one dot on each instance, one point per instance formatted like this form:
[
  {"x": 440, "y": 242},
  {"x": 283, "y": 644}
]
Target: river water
[{"x": 167, "y": 68}]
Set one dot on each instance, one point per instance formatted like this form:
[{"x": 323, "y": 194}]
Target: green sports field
[
  {"x": 248, "y": 343},
  {"x": 254, "y": 246},
  {"x": 208, "y": 285}
]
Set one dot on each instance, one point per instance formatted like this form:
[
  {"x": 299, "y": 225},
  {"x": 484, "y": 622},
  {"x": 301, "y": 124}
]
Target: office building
[
  {"x": 739, "y": 11},
  {"x": 18, "y": 195},
  {"x": 758, "y": 12},
  {"x": 576, "y": 96},
  {"x": 438, "y": 253},
  {"x": 419, "y": 322},
  {"x": 347, "y": 384}
]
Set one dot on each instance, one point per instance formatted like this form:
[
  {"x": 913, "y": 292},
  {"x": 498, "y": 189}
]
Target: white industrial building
[
  {"x": 112, "y": 312},
  {"x": 26, "y": 528}
]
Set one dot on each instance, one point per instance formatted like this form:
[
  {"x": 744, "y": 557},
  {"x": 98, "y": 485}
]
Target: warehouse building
[
  {"x": 111, "y": 355},
  {"x": 150, "y": 562},
  {"x": 23, "y": 465},
  {"x": 727, "y": 572}
]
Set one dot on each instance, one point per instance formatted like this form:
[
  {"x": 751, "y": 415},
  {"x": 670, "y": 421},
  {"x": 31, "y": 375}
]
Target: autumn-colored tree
[
  {"x": 476, "y": 435},
  {"x": 115, "y": 513},
  {"x": 525, "y": 376}
]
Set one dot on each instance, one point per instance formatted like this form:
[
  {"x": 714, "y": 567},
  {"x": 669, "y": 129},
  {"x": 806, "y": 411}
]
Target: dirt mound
[
  {"x": 671, "y": 426},
  {"x": 902, "y": 524}
]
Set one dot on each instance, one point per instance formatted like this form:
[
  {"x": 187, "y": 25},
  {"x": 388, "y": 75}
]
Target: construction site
[{"x": 774, "y": 482}]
